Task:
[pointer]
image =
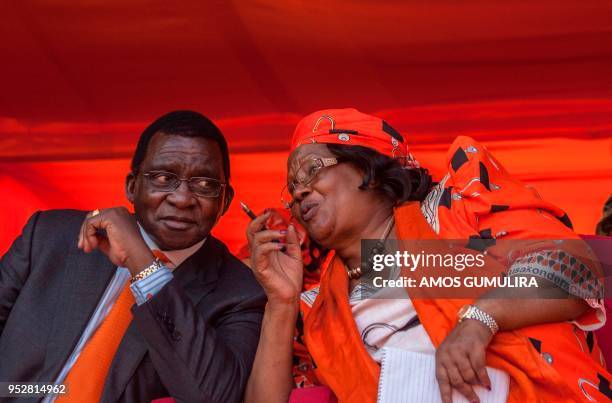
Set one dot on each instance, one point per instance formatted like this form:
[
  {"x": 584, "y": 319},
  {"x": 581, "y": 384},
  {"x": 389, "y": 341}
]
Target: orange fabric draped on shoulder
[
  {"x": 334, "y": 343},
  {"x": 477, "y": 198},
  {"x": 533, "y": 377},
  {"x": 340, "y": 359},
  {"x": 343, "y": 364}
]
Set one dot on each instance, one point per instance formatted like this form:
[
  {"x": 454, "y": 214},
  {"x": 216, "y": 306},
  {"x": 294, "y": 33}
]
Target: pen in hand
[
  {"x": 247, "y": 210},
  {"x": 252, "y": 215}
]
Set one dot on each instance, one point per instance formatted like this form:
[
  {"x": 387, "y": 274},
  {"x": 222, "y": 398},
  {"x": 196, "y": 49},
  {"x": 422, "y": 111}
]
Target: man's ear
[
  {"x": 130, "y": 186},
  {"x": 229, "y": 196}
]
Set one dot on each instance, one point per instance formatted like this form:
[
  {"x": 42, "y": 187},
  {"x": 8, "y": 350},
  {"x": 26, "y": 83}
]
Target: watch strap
[
  {"x": 478, "y": 314},
  {"x": 147, "y": 271}
]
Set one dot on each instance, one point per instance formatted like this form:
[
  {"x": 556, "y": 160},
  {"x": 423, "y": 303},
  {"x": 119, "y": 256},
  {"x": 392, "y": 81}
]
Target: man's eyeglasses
[
  {"x": 199, "y": 185},
  {"x": 306, "y": 173}
]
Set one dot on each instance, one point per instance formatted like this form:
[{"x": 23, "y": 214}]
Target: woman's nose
[{"x": 301, "y": 191}]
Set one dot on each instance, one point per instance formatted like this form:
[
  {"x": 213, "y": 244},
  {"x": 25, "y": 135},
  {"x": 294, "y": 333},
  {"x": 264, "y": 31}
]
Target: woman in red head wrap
[{"x": 350, "y": 177}]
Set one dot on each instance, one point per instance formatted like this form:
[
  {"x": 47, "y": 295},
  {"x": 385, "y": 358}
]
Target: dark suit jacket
[{"x": 195, "y": 340}]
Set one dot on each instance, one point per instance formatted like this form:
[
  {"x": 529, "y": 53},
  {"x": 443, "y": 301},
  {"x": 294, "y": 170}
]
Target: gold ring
[{"x": 95, "y": 212}]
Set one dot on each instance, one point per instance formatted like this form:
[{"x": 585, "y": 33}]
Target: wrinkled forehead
[
  {"x": 195, "y": 156},
  {"x": 304, "y": 153}
]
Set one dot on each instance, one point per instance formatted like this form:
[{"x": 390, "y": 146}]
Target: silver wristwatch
[{"x": 473, "y": 312}]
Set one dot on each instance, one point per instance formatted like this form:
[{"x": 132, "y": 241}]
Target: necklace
[{"x": 379, "y": 248}]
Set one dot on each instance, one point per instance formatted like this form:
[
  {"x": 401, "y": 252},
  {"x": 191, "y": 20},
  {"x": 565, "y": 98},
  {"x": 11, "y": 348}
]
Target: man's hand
[
  {"x": 114, "y": 231},
  {"x": 460, "y": 360}
]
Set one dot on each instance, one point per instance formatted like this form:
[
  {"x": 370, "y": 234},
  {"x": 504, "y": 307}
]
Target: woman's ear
[{"x": 369, "y": 181}]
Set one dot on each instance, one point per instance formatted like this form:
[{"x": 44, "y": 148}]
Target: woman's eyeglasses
[
  {"x": 169, "y": 182},
  {"x": 305, "y": 174}
]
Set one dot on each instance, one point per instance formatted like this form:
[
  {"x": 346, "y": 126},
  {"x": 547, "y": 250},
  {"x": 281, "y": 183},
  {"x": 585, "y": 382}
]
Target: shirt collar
[{"x": 176, "y": 257}]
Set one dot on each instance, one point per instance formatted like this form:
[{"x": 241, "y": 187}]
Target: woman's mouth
[{"x": 309, "y": 210}]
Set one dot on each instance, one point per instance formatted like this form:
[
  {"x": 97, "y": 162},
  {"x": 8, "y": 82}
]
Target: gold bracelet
[{"x": 156, "y": 265}]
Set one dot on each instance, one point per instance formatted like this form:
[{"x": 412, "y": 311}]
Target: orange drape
[{"x": 575, "y": 174}]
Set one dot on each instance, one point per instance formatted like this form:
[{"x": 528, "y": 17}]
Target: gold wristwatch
[
  {"x": 473, "y": 312},
  {"x": 147, "y": 271}
]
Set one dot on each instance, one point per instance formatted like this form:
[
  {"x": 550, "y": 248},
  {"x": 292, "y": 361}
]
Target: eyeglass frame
[
  {"x": 326, "y": 162},
  {"x": 148, "y": 175}
]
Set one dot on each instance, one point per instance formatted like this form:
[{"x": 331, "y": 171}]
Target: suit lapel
[
  {"x": 197, "y": 275},
  {"x": 85, "y": 279}
]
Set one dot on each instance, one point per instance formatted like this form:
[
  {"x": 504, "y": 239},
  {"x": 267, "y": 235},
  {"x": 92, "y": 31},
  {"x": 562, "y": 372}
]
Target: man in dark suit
[{"x": 130, "y": 308}]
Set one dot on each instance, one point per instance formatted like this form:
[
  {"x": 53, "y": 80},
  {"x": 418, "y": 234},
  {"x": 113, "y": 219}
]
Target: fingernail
[{"x": 283, "y": 231}]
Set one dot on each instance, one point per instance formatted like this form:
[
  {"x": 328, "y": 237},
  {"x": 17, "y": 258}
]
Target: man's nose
[{"x": 182, "y": 196}]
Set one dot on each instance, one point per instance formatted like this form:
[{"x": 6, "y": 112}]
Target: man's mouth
[
  {"x": 308, "y": 210},
  {"x": 177, "y": 223}
]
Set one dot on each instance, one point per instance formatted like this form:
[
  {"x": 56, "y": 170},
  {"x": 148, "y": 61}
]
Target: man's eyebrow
[
  {"x": 208, "y": 174},
  {"x": 163, "y": 166}
]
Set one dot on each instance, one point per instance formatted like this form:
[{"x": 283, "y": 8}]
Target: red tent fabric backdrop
[{"x": 80, "y": 82}]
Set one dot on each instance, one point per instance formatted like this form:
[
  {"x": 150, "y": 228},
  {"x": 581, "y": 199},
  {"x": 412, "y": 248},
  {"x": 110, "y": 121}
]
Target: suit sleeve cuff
[{"x": 146, "y": 288}]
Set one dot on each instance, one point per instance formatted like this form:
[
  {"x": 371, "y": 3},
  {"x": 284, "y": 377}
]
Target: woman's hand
[
  {"x": 276, "y": 261},
  {"x": 460, "y": 360},
  {"x": 114, "y": 231}
]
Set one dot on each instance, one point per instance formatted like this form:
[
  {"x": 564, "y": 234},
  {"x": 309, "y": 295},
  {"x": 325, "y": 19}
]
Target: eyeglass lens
[{"x": 169, "y": 182}]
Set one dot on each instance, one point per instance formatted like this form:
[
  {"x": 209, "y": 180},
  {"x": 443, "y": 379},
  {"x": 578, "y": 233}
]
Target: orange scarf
[
  {"x": 343, "y": 364},
  {"x": 333, "y": 339}
]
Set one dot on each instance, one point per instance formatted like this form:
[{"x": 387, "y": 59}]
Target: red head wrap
[{"x": 351, "y": 127}]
